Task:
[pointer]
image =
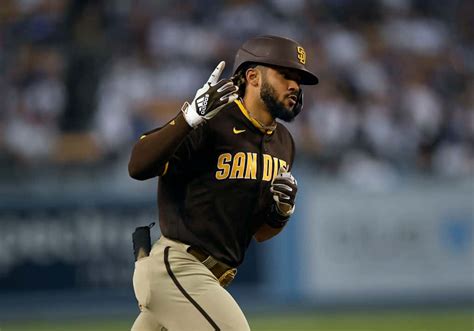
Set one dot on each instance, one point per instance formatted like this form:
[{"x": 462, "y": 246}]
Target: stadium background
[{"x": 383, "y": 236}]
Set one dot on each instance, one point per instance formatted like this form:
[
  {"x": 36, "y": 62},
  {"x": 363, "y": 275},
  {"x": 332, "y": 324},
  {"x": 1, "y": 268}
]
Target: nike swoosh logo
[{"x": 238, "y": 131}]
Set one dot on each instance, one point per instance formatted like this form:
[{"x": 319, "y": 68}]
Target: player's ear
[{"x": 253, "y": 76}]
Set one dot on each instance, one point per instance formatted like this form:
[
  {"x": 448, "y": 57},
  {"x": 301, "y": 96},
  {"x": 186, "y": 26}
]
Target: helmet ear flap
[{"x": 299, "y": 103}]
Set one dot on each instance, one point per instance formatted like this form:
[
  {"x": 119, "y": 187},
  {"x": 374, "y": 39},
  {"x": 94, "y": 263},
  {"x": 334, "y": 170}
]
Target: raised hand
[{"x": 210, "y": 98}]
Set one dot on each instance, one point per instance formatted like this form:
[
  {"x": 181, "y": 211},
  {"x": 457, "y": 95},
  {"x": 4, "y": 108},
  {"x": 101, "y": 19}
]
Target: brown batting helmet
[{"x": 276, "y": 51}]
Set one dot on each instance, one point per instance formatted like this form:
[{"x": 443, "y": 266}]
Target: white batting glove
[
  {"x": 284, "y": 188},
  {"x": 210, "y": 98}
]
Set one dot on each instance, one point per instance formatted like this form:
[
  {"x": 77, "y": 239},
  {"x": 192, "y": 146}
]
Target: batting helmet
[{"x": 277, "y": 51}]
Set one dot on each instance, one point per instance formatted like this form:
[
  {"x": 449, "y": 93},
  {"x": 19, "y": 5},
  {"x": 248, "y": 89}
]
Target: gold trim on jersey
[
  {"x": 257, "y": 124},
  {"x": 166, "y": 169}
]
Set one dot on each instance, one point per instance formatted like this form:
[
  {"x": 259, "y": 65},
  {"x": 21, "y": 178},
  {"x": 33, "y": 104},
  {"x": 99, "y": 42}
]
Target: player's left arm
[
  {"x": 266, "y": 232},
  {"x": 283, "y": 188}
]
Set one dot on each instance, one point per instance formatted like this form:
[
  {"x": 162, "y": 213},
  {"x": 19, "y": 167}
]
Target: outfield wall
[
  {"x": 408, "y": 242},
  {"x": 411, "y": 241}
]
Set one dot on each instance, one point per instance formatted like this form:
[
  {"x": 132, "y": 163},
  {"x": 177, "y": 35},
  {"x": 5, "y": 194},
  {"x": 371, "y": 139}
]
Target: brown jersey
[{"x": 215, "y": 190}]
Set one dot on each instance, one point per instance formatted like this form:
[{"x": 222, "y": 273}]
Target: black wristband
[{"x": 275, "y": 219}]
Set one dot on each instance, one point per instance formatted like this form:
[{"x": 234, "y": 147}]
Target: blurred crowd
[{"x": 81, "y": 80}]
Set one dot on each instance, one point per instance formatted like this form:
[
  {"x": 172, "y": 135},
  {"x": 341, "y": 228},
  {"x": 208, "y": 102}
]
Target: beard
[{"x": 276, "y": 108}]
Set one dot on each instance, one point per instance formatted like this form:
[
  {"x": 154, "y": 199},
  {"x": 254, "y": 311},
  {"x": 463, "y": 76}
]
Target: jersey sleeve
[
  {"x": 174, "y": 143},
  {"x": 188, "y": 152},
  {"x": 293, "y": 151}
]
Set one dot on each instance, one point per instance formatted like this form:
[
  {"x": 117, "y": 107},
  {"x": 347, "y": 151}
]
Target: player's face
[{"x": 279, "y": 92}]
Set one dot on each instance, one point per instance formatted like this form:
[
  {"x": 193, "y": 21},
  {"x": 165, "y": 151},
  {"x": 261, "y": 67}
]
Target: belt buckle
[{"x": 227, "y": 277}]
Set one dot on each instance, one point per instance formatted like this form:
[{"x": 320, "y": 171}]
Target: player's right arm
[{"x": 151, "y": 153}]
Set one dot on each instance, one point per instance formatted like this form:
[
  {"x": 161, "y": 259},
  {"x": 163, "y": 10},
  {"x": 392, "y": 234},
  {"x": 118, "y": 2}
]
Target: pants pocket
[{"x": 141, "y": 282}]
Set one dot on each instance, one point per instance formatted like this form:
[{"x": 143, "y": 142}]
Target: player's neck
[{"x": 257, "y": 109}]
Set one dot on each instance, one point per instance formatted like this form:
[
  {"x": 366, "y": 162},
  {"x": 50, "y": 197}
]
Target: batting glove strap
[{"x": 210, "y": 98}]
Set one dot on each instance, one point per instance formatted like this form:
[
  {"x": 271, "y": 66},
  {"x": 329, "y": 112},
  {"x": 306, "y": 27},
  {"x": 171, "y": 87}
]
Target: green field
[{"x": 458, "y": 320}]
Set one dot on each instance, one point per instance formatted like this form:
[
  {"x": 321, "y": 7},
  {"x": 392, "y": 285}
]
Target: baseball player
[{"x": 224, "y": 178}]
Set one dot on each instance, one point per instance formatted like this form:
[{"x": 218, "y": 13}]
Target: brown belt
[{"x": 224, "y": 273}]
